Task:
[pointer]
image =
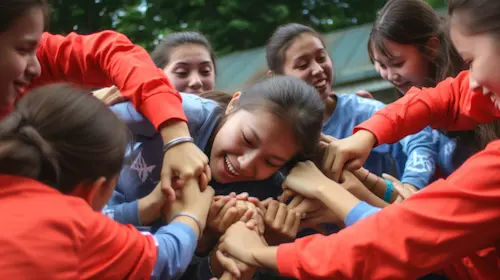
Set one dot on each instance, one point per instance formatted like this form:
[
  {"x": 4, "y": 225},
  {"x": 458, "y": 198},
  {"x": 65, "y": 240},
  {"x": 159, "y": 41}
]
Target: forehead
[
  {"x": 304, "y": 44},
  {"x": 190, "y": 53},
  {"x": 29, "y": 26},
  {"x": 393, "y": 50},
  {"x": 276, "y": 135}
]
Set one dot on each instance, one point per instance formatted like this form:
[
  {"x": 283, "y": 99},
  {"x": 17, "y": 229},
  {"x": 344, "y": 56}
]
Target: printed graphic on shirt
[
  {"x": 419, "y": 163},
  {"x": 142, "y": 168}
]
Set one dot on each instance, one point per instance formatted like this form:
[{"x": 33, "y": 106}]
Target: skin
[
  {"x": 308, "y": 60},
  {"x": 481, "y": 52},
  {"x": 18, "y": 62},
  {"x": 191, "y": 69},
  {"x": 254, "y": 145},
  {"x": 405, "y": 66}
]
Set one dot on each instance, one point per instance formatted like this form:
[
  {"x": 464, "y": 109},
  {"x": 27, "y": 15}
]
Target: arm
[
  {"x": 421, "y": 153},
  {"x": 440, "y": 224},
  {"x": 447, "y": 106},
  {"x": 109, "y": 58}
]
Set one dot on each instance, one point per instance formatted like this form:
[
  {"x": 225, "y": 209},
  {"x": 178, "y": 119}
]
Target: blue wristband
[{"x": 389, "y": 190}]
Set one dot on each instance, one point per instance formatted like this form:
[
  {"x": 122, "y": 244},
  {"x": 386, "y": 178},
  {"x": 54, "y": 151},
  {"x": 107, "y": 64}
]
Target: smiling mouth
[{"x": 229, "y": 167}]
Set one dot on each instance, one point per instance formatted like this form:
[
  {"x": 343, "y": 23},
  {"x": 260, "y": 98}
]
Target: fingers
[
  {"x": 228, "y": 219},
  {"x": 337, "y": 166},
  {"x": 286, "y": 195},
  {"x": 328, "y": 161},
  {"x": 228, "y": 264},
  {"x": 291, "y": 224},
  {"x": 270, "y": 213},
  {"x": 217, "y": 206},
  {"x": 295, "y": 201}
]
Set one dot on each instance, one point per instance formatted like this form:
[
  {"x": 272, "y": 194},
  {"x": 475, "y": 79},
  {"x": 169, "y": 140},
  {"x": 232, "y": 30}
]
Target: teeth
[
  {"x": 230, "y": 167},
  {"x": 486, "y": 91},
  {"x": 473, "y": 84},
  {"x": 320, "y": 84}
]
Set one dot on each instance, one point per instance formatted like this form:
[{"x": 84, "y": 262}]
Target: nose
[
  {"x": 316, "y": 68},
  {"x": 33, "y": 68},
  {"x": 247, "y": 163},
  {"x": 392, "y": 75},
  {"x": 195, "y": 82}
]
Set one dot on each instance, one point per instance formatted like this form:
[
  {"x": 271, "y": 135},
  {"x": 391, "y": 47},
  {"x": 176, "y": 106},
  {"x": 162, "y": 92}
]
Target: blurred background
[{"x": 238, "y": 31}]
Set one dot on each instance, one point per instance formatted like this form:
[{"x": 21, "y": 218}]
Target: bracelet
[
  {"x": 389, "y": 189},
  {"x": 177, "y": 141},
  {"x": 186, "y": 214}
]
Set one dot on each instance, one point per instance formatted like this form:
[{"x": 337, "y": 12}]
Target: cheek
[
  {"x": 208, "y": 83},
  {"x": 179, "y": 84},
  {"x": 12, "y": 66}
]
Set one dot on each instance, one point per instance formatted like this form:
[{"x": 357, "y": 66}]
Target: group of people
[{"x": 158, "y": 175}]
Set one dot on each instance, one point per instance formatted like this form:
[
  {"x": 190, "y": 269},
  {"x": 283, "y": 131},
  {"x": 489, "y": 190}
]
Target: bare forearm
[
  {"x": 266, "y": 257},
  {"x": 337, "y": 199}
]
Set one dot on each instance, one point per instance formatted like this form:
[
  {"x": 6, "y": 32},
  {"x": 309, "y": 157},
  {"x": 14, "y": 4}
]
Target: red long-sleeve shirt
[
  {"x": 109, "y": 58},
  {"x": 433, "y": 229},
  {"x": 48, "y": 235}
]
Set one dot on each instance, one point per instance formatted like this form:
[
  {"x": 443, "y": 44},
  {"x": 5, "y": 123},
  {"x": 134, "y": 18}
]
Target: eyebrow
[
  {"x": 186, "y": 64},
  {"x": 257, "y": 139}
]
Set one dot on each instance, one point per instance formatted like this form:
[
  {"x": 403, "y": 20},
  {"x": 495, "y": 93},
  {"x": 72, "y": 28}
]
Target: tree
[{"x": 229, "y": 24}]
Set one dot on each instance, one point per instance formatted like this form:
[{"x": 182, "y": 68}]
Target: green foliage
[{"x": 229, "y": 24}]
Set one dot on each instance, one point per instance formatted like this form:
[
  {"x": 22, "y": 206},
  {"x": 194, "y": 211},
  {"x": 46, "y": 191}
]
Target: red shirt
[
  {"x": 433, "y": 229},
  {"x": 109, "y": 58},
  {"x": 48, "y": 235}
]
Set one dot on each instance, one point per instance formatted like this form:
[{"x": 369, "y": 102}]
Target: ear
[
  {"x": 96, "y": 193},
  {"x": 231, "y": 106},
  {"x": 270, "y": 73},
  {"x": 433, "y": 45}
]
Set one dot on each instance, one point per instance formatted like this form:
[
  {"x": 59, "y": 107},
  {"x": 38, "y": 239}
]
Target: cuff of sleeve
[
  {"x": 360, "y": 211},
  {"x": 128, "y": 214},
  {"x": 375, "y": 126},
  {"x": 159, "y": 108},
  {"x": 417, "y": 182},
  {"x": 286, "y": 260}
]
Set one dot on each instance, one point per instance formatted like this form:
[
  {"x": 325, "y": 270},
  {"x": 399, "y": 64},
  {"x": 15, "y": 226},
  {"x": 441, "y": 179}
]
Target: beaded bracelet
[{"x": 177, "y": 141}]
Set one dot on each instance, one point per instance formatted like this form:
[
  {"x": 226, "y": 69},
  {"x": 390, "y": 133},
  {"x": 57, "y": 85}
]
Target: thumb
[{"x": 166, "y": 184}]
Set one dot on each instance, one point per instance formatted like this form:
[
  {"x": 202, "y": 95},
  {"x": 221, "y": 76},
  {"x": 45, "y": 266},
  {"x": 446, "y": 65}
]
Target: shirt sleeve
[
  {"x": 439, "y": 225},
  {"x": 176, "y": 245},
  {"x": 447, "y": 106},
  {"x": 360, "y": 211},
  {"x": 122, "y": 211},
  {"x": 109, "y": 58}
]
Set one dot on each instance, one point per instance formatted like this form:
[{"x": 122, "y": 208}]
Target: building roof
[{"x": 347, "y": 47}]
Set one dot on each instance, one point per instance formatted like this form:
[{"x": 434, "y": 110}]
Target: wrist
[
  {"x": 172, "y": 129},
  {"x": 367, "y": 137}
]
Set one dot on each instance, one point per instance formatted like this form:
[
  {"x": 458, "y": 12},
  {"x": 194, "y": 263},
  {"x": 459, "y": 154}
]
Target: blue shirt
[
  {"x": 143, "y": 162},
  {"x": 412, "y": 159}
]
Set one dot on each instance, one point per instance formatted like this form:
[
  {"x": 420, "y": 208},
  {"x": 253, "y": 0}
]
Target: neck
[{"x": 330, "y": 104}]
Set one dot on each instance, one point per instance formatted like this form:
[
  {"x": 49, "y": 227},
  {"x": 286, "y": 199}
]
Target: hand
[
  {"x": 281, "y": 223},
  {"x": 183, "y": 161},
  {"x": 402, "y": 190},
  {"x": 109, "y": 96},
  {"x": 193, "y": 201},
  {"x": 239, "y": 241},
  {"x": 150, "y": 206},
  {"x": 349, "y": 153},
  {"x": 238, "y": 269},
  {"x": 364, "y": 94},
  {"x": 305, "y": 178},
  {"x": 323, "y": 215},
  {"x": 303, "y": 205}
]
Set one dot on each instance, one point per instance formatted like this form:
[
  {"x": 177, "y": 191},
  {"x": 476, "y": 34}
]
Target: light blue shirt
[{"x": 412, "y": 159}]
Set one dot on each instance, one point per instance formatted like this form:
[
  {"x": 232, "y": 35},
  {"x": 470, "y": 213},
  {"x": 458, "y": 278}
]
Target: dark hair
[
  {"x": 61, "y": 135},
  {"x": 281, "y": 40},
  {"x": 220, "y": 97},
  {"x": 10, "y": 10},
  {"x": 161, "y": 54},
  {"x": 414, "y": 22},
  {"x": 483, "y": 15},
  {"x": 291, "y": 100}
]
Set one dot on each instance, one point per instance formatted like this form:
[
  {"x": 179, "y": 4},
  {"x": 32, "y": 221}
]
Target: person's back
[{"x": 46, "y": 234}]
